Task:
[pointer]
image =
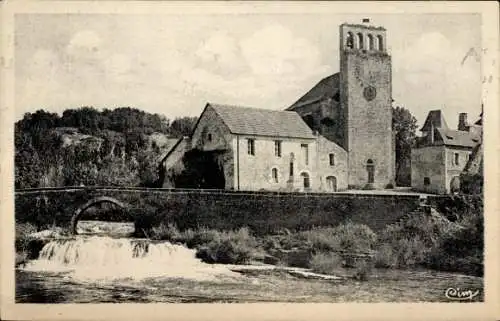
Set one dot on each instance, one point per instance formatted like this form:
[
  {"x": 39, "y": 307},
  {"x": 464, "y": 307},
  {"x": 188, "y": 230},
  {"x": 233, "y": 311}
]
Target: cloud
[
  {"x": 432, "y": 66},
  {"x": 221, "y": 54},
  {"x": 274, "y": 50}
]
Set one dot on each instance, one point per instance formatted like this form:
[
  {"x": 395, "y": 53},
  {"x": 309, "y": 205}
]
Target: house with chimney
[{"x": 441, "y": 154}]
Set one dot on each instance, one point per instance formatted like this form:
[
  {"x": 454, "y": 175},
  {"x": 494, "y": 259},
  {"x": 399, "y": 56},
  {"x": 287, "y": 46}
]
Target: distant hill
[{"x": 85, "y": 146}]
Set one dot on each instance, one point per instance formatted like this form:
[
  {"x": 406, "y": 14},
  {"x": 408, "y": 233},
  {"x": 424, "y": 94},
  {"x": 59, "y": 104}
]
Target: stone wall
[
  {"x": 429, "y": 162},
  {"x": 262, "y": 212},
  {"x": 454, "y": 170},
  {"x": 254, "y": 172}
]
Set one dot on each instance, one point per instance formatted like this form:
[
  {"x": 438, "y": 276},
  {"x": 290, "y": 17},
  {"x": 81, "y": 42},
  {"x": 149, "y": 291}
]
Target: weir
[{"x": 100, "y": 257}]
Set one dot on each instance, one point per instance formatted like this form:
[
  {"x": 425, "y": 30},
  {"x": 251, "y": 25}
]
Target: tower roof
[
  {"x": 435, "y": 119},
  {"x": 327, "y": 87}
]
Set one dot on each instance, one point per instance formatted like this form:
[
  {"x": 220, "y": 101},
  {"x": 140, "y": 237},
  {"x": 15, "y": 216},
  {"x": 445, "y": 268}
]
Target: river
[{"x": 95, "y": 269}]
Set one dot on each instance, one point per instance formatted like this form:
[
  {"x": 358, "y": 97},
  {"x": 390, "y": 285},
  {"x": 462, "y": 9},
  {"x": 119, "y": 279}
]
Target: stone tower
[{"x": 365, "y": 102}]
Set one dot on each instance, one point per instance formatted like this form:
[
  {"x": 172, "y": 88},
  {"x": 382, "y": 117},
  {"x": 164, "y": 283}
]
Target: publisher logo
[{"x": 459, "y": 294}]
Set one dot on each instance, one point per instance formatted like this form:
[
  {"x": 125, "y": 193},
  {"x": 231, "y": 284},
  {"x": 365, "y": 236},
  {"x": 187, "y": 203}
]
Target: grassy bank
[{"x": 448, "y": 239}]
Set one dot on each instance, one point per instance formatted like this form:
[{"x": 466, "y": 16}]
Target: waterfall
[{"x": 102, "y": 257}]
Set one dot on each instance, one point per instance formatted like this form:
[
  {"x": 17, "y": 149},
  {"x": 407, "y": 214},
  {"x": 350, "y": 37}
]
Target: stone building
[
  {"x": 337, "y": 136},
  {"x": 353, "y": 108},
  {"x": 260, "y": 149},
  {"x": 441, "y": 154}
]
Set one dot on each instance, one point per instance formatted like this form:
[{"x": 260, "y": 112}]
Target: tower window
[
  {"x": 456, "y": 160},
  {"x": 380, "y": 43},
  {"x": 350, "y": 41},
  {"x": 360, "y": 41},
  {"x": 371, "y": 42},
  {"x": 305, "y": 153},
  {"x": 251, "y": 146},
  {"x": 332, "y": 159},
  {"x": 277, "y": 148},
  {"x": 275, "y": 175}
]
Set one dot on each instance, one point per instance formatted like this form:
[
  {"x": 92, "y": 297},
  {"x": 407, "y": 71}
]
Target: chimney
[{"x": 462, "y": 122}]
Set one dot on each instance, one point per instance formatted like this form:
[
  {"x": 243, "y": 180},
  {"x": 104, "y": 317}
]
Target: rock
[
  {"x": 46, "y": 234},
  {"x": 312, "y": 275}
]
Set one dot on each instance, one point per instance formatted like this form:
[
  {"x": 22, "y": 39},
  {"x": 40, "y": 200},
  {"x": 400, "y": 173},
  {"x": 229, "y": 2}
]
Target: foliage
[
  {"x": 183, "y": 126},
  {"x": 347, "y": 237},
  {"x": 404, "y": 126},
  {"x": 326, "y": 262},
  {"x": 85, "y": 146},
  {"x": 213, "y": 246},
  {"x": 429, "y": 238}
]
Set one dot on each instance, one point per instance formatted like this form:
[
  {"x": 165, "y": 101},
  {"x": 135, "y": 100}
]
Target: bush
[
  {"x": 428, "y": 238},
  {"x": 385, "y": 257},
  {"x": 363, "y": 270},
  {"x": 234, "y": 247},
  {"x": 23, "y": 232},
  {"x": 167, "y": 232},
  {"x": 347, "y": 237},
  {"x": 326, "y": 262}
]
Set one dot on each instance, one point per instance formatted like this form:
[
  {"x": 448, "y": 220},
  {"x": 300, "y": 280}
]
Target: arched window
[
  {"x": 380, "y": 43},
  {"x": 370, "y": 168},
  {"x": 275, "y": 175},
  {"x": 306, "y": 180},
  {"x": 360, "y": 41},
  {"x": 371, "y": 42},
  {"x": 349, "y": 43}
]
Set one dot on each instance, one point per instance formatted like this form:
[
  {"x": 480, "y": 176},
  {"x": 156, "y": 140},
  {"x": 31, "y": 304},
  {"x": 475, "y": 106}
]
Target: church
[{"x": 337, "y": 136}]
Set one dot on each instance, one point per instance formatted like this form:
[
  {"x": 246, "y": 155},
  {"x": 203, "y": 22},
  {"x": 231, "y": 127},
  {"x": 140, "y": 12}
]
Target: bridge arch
[{"x": 101, "y": 199}]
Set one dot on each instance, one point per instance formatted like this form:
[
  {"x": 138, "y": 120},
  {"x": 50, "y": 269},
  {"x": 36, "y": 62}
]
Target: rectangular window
[
  {"x": 427, "y": 181},
  {"x": 277, "y": 148},
  {"x": 291, "y": 169},
  {"x": 456, "y": 159},
  {"x": 275, "y": 175},
  {"x": 332, "y": 159},
  {"x": 305, "y": 153},
  {"x": 251, "y": 146}
]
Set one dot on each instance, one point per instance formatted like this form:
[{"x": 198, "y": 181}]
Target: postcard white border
[{"x": 490, "y": 309}]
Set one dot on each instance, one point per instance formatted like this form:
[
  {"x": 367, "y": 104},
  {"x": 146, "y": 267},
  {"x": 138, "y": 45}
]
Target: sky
[{"x": 174, "y": 64}]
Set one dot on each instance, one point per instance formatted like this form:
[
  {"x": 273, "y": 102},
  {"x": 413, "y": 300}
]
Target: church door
[
  {"x": 331, "y": 181},
  {"x": 370, "y": 168}
]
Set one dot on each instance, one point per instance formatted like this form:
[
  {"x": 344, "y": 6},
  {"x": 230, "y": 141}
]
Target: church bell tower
[{"x": 366, "y": 105}]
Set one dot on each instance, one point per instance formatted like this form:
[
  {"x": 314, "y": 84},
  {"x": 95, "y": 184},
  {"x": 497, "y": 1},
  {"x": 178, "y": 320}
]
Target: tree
[
  {"x": 183, "y": 126},
  {"x": 404, "y": 127}
]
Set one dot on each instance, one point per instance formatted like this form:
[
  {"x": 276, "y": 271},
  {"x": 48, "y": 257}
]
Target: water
[
  {"x": 104, "y": 258},
  {"x": 99, "y": 269}
]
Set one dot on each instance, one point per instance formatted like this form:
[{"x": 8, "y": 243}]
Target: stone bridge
[
  {"x": 261, "y": 211},
  {"x": 101, "y": 199}
]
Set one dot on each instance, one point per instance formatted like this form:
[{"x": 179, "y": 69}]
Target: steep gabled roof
[
  {"x": 459, "y": 138},
  {"x": 327, "y": 88},
  {"x": 262, "y": 122},
  {"x": 434, "y": 119}
]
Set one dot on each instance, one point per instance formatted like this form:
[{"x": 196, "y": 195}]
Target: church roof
[
  {"x": 434, "y": 119},
  {"x": 328, "y": 87},
  {"x": 459, "y": 138},
  {"x": 262, "y": 122}
]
